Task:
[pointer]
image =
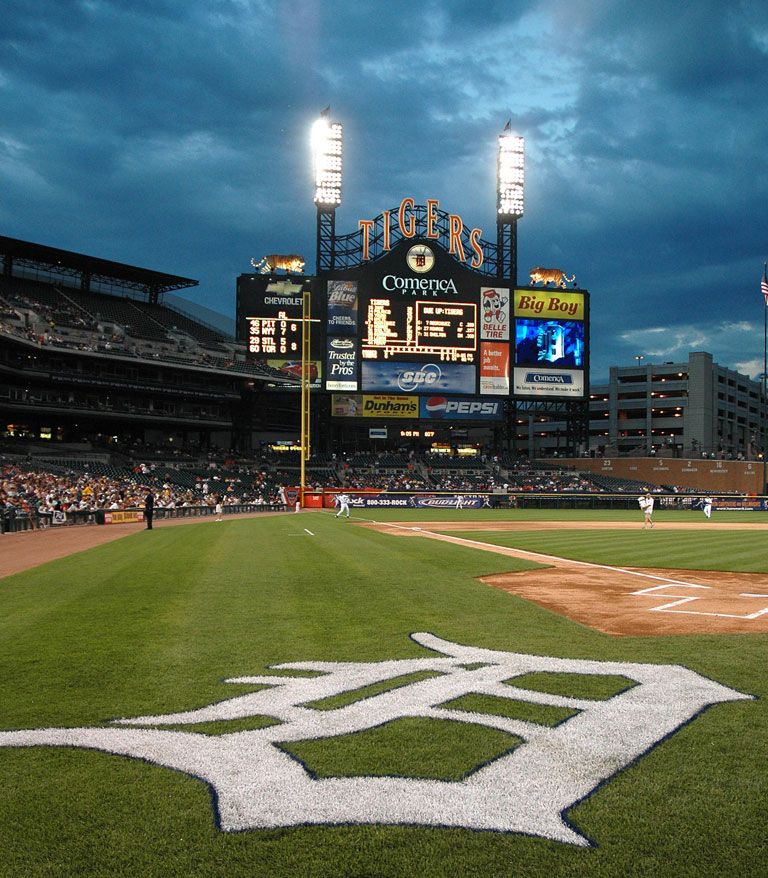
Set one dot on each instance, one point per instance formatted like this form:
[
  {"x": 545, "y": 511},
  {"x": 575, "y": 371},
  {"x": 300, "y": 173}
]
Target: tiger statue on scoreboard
[
  {"x": 546, "y": 276},
  {"x": 290, "y": 264}
]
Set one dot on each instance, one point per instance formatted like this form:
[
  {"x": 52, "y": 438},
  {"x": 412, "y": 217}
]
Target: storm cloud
[{"x": 175, "y": 135}]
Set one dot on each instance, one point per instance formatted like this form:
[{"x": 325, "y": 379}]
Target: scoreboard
[
  {"x": 416, "y": 331},
  {"x": 278, "y": 336},
  {"x": 401, "y": 330},
  {"x": 269, "y": 322}
]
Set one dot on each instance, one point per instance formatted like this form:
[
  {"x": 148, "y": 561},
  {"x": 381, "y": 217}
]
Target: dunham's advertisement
[
  {"x": 341, "y": 364},
  {"x": 355, "y": 405}
]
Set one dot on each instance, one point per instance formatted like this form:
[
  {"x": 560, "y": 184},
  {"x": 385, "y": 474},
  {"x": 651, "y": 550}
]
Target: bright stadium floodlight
[
  {"x": 326, "y": 155},
  {"x": 511, "y": 173}
]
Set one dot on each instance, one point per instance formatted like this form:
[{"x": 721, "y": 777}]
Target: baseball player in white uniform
[
  {"x": 342, "y": 501},
  {"x": 646, "y": 504},
  {"x": 707, "y": 506}
]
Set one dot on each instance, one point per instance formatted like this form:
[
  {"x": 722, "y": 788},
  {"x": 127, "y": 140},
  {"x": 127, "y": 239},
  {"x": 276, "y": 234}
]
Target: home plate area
[
  {"x": 623, "y": 600},
  {"x": 629, "y": 602}
]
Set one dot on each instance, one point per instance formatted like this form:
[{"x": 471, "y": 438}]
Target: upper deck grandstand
[{"x": 89, "y": 347}]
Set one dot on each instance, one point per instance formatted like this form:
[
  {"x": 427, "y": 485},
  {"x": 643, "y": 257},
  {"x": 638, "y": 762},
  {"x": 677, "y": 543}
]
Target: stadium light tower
[
  {"x": 327, "y": 143},
  {"x": 510, "y": 188}
]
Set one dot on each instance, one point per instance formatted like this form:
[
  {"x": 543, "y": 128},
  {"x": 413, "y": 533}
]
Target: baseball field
[{"x": 429, "y": 693}]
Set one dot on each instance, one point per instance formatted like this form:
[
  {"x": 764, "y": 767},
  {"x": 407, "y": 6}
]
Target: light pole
[
  {"x": 510, "y": 192},
  {"x": 327, "y": 147}
]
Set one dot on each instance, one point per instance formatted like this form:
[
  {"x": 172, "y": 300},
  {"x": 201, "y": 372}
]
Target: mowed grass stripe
[
  {"x": 155, "y": 623},
  {"x": 740, "y": 551}
]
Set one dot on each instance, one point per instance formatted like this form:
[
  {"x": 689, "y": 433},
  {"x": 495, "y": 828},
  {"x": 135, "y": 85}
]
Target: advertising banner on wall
[
  {"x": 471, "y": 408},
  {"x": 388, "y": 377},
  {"x": 414, "y": 501},
  {"x": 495, "y": 314},
  {"x": 548, "y": 304},
  {"x": 341, "y": 364},
  {"x": 548, "y": 382},
  {"x": 292, "y": 369},
  {"x": 342, "y": 307},
  {"x": 494, "y": 368},
  {"x": 357, "y": 405}
]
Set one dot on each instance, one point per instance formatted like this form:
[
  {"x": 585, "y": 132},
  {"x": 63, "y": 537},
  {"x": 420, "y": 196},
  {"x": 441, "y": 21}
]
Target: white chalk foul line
[
  {"x": 306, "y": 531},
  {"x": 665, "y": 608},
  {"x": 512, "y": 549}
]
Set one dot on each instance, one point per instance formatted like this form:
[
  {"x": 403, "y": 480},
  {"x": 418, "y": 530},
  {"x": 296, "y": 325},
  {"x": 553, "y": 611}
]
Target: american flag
[{"x": 764, "y": 286}]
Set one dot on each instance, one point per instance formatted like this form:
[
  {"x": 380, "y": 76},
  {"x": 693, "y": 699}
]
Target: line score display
[{"x": 397, "y": 329}]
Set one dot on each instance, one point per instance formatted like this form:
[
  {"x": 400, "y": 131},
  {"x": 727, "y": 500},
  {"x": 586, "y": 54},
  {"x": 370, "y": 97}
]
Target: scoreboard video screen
[
  {"x": 401, "y": 330},
  {"x": 549, "y": 343}
]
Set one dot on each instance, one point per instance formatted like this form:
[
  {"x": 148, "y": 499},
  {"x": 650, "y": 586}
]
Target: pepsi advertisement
[
  {"x": 443, "y": 408},
  {"x": 556, "y": 343}
]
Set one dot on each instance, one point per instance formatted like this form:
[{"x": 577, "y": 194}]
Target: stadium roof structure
[{"x": 91, "y": 271}]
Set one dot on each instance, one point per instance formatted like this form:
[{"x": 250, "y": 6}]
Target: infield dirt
[{"x": 606, "y": 598}]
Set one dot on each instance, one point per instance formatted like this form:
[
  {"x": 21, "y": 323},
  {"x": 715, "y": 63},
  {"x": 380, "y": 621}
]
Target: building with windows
[
  {"x": 685, "y": 409},
  {"x": 694, "y": 408}
]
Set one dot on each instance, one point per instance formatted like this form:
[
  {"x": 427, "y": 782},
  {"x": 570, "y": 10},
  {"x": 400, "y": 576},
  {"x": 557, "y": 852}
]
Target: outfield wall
[
  {"x": 743, "y": 476},
  {"x": 373, "y": 498}
]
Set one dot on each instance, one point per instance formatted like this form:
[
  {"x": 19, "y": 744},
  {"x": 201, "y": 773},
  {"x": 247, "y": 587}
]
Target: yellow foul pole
[{"x": 306, "y": 361}]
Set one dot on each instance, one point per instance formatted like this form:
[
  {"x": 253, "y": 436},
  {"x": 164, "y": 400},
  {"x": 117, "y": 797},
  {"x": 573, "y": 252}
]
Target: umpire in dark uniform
[{"x": 149, "y": 508}]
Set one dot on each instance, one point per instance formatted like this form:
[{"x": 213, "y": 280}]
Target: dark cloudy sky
[{"x": 174, "y": 134}]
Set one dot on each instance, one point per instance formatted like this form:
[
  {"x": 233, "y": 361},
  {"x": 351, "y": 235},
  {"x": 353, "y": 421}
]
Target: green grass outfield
[{"x": 154, "y": 623}]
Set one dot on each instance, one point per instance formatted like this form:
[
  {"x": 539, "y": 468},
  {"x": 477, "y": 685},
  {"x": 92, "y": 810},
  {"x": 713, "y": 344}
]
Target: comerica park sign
[{"x": 449, "y": 236}]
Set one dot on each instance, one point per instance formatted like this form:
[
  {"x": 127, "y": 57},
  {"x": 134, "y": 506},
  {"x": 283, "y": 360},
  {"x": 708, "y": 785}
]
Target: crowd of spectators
[
  {"x": 186, "y": 476},
  {"x": 37, "y": 493},
  {"x": 66, "y": 326}
]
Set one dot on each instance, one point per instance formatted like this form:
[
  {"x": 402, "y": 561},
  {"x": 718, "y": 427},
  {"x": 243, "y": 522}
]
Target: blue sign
[
  {"x": 463, "y": 408},
  {"x": 342, "y": 307},
  {"x": 432, "y": 378}
]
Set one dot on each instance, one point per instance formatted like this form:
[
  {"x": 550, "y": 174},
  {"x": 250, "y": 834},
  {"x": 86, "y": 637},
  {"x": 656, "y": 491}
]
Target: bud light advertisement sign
[
  {"x": 443, "y": 408},
  {"x": 384, "y": 500},
  {"x": 421, "y": 378},
  {"x": 451, "y": 501},
  {"x": 342, "y": 307}
]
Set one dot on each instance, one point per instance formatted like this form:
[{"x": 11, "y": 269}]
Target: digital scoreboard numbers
[
  {"x": 274, "y": 336},
  {"x": 402, "y": 330}
]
